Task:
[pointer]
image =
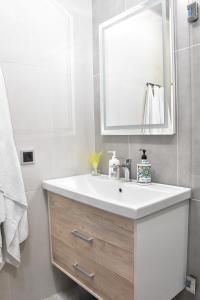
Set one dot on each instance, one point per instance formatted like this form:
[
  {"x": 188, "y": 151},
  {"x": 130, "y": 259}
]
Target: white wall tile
[
  {"x": 184, "y": 122},
  {"x": 30, "y": 96},
  {"x": 43, "y": 167},
  {"x": 162, "y": 154},
  {"x": 33, "y": 55},
  {"x": 31, "y": 32},
  {"x": 182, "y": 39}
]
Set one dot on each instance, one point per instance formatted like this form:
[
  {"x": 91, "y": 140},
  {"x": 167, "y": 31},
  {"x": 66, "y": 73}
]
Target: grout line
[
  {"x": 194, "y": 199},
  {"x": 182, "y": 49},
  {"x": 191, "y": 112},
  {"x": 176, "y": 101},
  {"x": 34, "y": 190},
  {"x": 177, "y": 121},
  {"x": 188, "y": 47},
  {"x": 194, "y": 45}
]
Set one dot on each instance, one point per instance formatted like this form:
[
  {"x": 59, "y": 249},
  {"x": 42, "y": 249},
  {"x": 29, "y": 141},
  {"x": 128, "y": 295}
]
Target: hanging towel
[
  {"x": 2, "y": 219},
  {"x": 148, "y": 105},
  {"x": 162, "y": 105},
  {"x": 13, "y": 203},
  {"x": 154, "y": 109}
]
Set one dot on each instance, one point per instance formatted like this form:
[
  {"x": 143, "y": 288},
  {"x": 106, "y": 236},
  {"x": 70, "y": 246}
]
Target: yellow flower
[{"x": 95, "y": 159}]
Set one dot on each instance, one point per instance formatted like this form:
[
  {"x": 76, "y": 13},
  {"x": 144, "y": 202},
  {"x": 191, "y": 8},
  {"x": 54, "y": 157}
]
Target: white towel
[
  {"x": 2, "y": 219},
  {"x": 154, "y": 109},
  {"x": 162, "y": 105},
  {"x": 147, "y": 105},
  {"x": 13, "y": 203}
]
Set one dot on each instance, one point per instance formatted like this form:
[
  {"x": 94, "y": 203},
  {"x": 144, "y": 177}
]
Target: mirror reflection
[{"x": 136, "y": 71}]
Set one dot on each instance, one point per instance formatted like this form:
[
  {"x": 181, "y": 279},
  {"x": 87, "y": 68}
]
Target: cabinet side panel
[{"x": 161, "y": 253}]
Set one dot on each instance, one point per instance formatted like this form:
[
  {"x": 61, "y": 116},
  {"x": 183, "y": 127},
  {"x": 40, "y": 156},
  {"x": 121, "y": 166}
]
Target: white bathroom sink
[{"x": 128, "y": 199}]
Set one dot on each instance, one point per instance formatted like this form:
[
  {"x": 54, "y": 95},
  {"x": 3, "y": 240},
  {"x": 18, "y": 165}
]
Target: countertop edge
[{"x": 121, "y": 210}]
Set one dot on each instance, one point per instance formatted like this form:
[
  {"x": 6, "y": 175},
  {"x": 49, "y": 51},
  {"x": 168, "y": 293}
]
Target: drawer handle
[
  {"x": 79, "y": 269},
  {"x": 81, "y": 236}
]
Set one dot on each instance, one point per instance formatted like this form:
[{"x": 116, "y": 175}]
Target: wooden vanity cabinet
[
  {"x": 93, "y": 247},
  {"x": 116, "y": 258}
]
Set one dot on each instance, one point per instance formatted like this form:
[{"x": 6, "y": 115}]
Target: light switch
[{"x": 27, "y": 157}]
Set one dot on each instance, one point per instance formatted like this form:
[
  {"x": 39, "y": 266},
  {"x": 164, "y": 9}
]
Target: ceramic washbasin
[{"x": 128, "y": 199}]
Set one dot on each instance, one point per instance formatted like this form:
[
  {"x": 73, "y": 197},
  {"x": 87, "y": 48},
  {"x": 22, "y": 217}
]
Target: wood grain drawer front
[
  {"x": 112, "y": 257},
  {"x": 113, "y": 229},
  {"x": 101, "y": 281},
  {"x": 79, "y": 233}
]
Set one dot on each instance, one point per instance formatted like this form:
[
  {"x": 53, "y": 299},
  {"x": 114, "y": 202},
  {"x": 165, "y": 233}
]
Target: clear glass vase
[{"x": 94, "y": 172}]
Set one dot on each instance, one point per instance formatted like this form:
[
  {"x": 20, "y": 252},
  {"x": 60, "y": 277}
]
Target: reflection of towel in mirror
[
  {"x": 13, "y": 203},
  {"x": 154, "y": 109},
  {"x": 162, "y": 105},
  {"x": 154, "y": 106},
  {"x": 147, "y": 105},
  {"x": 157, "y": 110}
]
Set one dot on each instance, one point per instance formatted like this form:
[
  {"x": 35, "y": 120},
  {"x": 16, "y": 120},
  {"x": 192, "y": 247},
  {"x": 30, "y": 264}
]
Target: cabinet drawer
[
  {"x": 107, "y": 285},
  {"x": 99, "y": 242},
  {"x": 112, "y": 257},
  {"x": 104, "y": 237},
  {"x": 108, "y": 227}
]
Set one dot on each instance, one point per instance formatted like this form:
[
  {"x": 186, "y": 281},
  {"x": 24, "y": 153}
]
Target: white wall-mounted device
[
  {"x": 193, "y": 12},
  {"x": 27, "y": 157}
]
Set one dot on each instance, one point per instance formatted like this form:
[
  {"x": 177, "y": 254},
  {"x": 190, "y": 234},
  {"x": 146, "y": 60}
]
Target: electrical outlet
[{"x": 191, "y": 284}]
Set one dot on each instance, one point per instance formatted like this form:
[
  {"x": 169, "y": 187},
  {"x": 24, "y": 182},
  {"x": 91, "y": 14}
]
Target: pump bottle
[
  {"x": 114, "y": 166},
  {"x": 144, "y": 169}
]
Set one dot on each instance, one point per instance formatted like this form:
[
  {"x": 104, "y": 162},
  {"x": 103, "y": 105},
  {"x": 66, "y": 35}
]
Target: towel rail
[{"x": 153, "y": 84}]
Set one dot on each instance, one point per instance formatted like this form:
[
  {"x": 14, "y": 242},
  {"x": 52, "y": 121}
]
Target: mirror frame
[{"x": 138, "y": 130}]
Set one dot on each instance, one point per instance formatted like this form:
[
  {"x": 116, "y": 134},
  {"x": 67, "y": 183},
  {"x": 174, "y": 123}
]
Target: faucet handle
[{"x": 128, "y": 160}]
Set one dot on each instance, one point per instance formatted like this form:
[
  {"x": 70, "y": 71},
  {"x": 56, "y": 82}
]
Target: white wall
[{"x": 46, "y": 58}]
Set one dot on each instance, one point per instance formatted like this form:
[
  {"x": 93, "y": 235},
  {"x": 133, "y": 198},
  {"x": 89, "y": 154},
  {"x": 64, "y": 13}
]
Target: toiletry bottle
[
  {"x": 114, "y": 166},
  {"x": 144, "y": 169}
]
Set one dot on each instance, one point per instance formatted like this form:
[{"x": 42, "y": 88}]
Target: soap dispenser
[
  {"x": 114, "y": 166},
  {"x": 144, "y": 169}
]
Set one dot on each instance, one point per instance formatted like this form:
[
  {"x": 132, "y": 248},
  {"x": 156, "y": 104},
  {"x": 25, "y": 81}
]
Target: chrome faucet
[{"x": 127, "y": 169}]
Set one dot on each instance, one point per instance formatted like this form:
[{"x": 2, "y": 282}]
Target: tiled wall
[
  {"x": 170, "y": 160},
  {"x": 175, "y": 159},
  {"x": 36, "y": 107},
  {"x": 191, "y": 48}
]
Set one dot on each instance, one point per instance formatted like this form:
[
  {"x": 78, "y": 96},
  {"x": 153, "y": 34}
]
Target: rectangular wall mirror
[{"x": 137, "y": 72}]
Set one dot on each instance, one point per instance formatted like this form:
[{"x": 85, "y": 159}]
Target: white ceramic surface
[{"x": 128, "y": 199}]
